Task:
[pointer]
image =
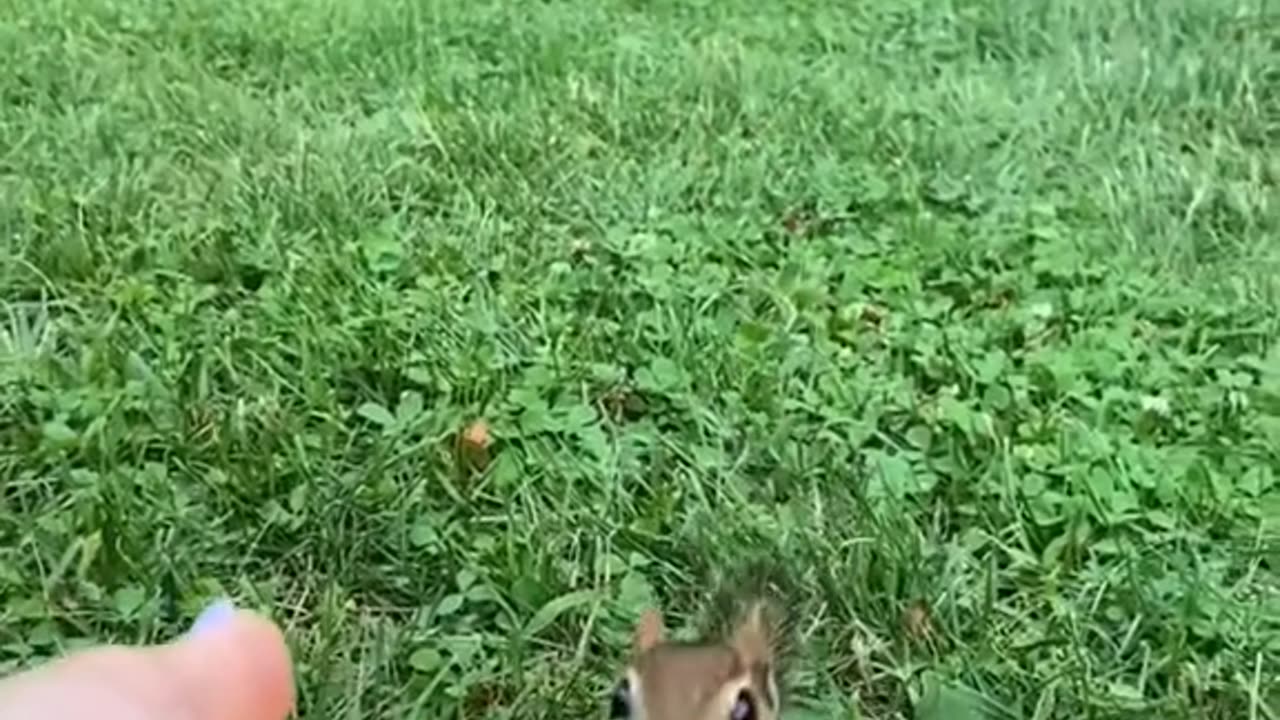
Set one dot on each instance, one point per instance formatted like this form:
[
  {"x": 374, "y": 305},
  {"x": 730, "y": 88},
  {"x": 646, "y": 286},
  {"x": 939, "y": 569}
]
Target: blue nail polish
[{"x": 214, "y": 617}]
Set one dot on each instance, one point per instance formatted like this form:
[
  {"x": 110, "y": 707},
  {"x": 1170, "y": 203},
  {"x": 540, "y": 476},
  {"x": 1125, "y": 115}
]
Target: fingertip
[
  {"x": 237, "y": 667},
  {"x": 214, "y": 617}
]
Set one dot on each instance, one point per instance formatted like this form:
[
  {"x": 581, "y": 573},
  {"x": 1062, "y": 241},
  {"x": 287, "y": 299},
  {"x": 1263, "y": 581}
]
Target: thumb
[{"x": 234, "y": 665}]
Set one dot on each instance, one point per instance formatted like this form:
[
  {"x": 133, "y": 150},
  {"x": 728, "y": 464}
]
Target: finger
[{"x": 237, "y": 669}]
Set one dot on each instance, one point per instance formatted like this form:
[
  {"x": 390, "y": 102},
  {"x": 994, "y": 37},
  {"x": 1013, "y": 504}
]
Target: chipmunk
[{"x": 729, "y": 679}]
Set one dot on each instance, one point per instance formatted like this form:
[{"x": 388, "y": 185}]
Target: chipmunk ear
[
  {"x": 649, "y": 631},
  {"x": 754, "y": 642},
  {"x": 752, "y": 639}
]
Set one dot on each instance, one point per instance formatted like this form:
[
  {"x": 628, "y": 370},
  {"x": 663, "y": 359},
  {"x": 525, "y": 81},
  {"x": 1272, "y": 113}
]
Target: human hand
[{"x": 233, "y": 665}]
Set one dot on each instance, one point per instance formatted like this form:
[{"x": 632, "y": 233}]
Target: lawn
[{"x": 956, "y": 320}]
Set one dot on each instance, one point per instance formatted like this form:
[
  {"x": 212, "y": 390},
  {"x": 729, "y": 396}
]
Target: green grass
[{"x": 969, "y": 303}]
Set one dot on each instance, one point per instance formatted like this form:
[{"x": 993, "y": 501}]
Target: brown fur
[{"x": 679, "y": 681}]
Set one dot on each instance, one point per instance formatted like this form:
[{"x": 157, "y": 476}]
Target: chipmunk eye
[
  {"x": 744, "y": 708},
  {"x": 620, "y": 701}
]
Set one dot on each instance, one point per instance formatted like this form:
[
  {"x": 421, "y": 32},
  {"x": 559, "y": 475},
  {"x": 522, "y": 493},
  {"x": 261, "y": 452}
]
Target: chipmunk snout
[{"x": 620, "y": 704}]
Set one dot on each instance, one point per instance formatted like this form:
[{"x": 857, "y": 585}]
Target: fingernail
[{"x": 214, "y": 617}]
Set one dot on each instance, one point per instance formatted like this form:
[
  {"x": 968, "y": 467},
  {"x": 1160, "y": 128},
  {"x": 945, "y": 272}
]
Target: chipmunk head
[{"x": 729, "y": 679}]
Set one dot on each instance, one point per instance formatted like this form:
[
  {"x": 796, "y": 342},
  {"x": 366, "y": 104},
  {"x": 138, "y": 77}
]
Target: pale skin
[{"x": 234, "y": 665}]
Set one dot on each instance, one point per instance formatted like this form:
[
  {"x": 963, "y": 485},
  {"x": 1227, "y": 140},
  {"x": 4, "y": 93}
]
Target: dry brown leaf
[
  {"x": 473, "y": 445},
  {"x": 477, "y": 435},
  {"x": 917, "y": 621}
]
